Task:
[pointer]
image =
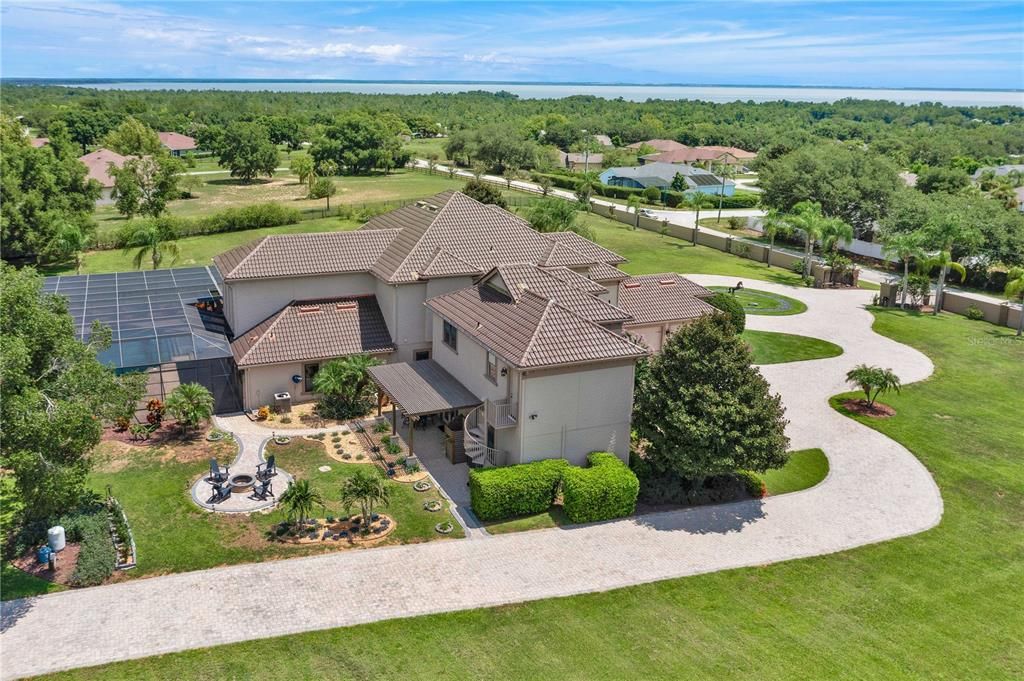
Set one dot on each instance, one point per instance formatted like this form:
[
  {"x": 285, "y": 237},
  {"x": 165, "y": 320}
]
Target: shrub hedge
[
  {"x": 228, "y": 220},
  {"x": 510, "y": 491},
  {"x": 572, "y": 183},
  {"x": 97, "y": 556},
  {"x": 607, "y": 489},
  {"x": 739, "y": 199}
]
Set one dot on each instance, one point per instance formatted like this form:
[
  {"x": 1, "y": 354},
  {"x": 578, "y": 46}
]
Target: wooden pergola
[{"x": 420, "y": 389}]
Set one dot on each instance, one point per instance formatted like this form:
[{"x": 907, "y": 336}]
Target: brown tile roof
[
  {"x": 38, "y": 142},
  {"x": 685, "y": 155},
  {"x": 533, "y": 331},
  {"x": 662, "y": 298},
  {"x": 312, "y": 330},
  {"x": 581, "y": 159},
  {"x": 741, "y": 154},
  {"x": 176, "y": 141},
  {"x": 577, "y": 280},
  {"x": 300, "y": 255},
  {"x": 604, "y": 272},
  {"x": 518, "y": 279},
  {"x": 444, "y": 264},
  {"x": 478, "y": 235},
  {"x": 98, "y": 165},
  {"x": 587, "y": 247}
]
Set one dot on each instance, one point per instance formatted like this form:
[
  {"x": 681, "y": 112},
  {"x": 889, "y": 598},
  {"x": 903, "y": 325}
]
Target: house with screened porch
[{"x": 518, "y": 345}]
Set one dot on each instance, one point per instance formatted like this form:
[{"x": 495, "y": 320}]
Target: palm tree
[
  {"x": 586, "y": 187},
  {"x": 725, "y": 171},
  {"x": 545, "y": 185},
  {"x": 432, "y": 162},
  {"x": 190, "y": 403},
  {"x": 365, "y": 489},
  {"x": 695, "y": 201},
  {"x": 943, "y": 232},
  {"x": 903, "y": 245},
  {"x": 69, "y": 242},
  {"x": 808, "y": 218},
  {"x": 343, "y": 383},
  {"x": 774, "y": 225},
  {"x": 634, "y": 202},
  {"x": 300, "y": 499},
  {"x": 157, "y": 238},
  {"x": 304, "y": 169},
  {"x": 1015, "y": 289},
  {"x": 874, "y": 381},
  {"x": 944, "y": 261}
]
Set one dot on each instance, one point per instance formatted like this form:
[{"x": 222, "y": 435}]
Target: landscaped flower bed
[{"x": 331, "y": 530}]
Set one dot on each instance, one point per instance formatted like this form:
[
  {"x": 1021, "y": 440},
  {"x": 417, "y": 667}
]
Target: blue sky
[{"x": 864, "y": 44}]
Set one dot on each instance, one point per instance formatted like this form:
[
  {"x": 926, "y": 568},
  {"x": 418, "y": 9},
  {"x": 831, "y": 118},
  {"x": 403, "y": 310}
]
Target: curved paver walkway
[{"x": 875, "y": 491}]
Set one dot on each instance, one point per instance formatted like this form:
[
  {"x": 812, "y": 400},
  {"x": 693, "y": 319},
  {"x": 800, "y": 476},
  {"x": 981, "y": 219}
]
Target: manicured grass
[
  {"x": 765, "y": 303},
  {"x": 942, "y": 604},
  {"x": 172, "y": 534},
  {"x": 769, "y": 347},
  {"x": 13, "y": 582},
  {"x": 423, "y": 147},
  {"x": 805, "y": 469},
  {"x": 553, "y": 517}
]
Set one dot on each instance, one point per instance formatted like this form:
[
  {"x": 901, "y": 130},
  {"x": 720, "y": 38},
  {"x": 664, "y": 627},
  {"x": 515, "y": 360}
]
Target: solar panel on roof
[
  {"x": 152, "y": 314},
  {"x": 705, "y": 180}
]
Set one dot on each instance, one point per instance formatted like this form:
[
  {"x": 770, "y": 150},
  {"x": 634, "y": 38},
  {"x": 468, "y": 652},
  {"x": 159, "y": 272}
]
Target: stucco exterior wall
[
  {"x": 250, "y": 302},
  {"x": 572, "y": 412},
  {"x": 469, "y": 365},
  {"x": 259, "y": 384}
]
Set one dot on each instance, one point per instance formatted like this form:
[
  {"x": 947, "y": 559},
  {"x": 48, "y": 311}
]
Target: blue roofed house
[{"x": 661, "y": 175}]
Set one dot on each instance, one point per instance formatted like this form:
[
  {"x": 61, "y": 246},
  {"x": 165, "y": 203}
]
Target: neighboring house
[
  {"x": 476, "y": 314},
  {"x": 998, "y": 171},
  {"x": 661, "y": 175},
  {"x": 98, "y": 165},
  {"x": 580, "y": 161},
  {"x": 705, "y": 155},
  {"x": 176, "y": 143},
  {"x": 603, "y": 140},
  {"x": 658, "y": 145},
  {"x": 38, "y": 142}
]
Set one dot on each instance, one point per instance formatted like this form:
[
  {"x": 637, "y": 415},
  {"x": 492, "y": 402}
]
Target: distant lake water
[{"x": 636, "y": 93}]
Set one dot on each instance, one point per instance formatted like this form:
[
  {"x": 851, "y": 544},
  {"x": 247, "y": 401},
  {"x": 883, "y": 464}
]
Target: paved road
[{"x": 876, "y": 491}]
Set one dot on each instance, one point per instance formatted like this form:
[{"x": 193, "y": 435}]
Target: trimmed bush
[
  {"x": 97, "y": 556},
  {"x": 728, "y": 304},
  {"x": 607, "y": 489},
  {"x": 756, "y": 487},
  {"x": 974, "y": 312},
  {"x": 525, "y": 489}
]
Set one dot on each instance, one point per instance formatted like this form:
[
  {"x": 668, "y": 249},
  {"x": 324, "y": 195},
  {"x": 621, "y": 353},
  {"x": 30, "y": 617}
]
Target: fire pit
[{"x": 242, "y": 482}]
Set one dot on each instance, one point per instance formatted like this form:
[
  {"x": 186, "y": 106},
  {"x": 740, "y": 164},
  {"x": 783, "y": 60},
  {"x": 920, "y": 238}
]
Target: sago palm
[
  {"x": 300, "y": 499},
  {"x": 190, "y": 403},
  {"x": 364, "y": 490},
  {"x": 873, "y": 381}
]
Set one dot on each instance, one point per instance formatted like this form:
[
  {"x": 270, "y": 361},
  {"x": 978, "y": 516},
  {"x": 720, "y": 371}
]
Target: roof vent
[
  {"x": 426, "y": 206},
  {"x": 631, "y": 284},
  {"x": 350, "y": 305},
  {"x": 309, "y": 309},
  {"x": 667, "y": 282}
]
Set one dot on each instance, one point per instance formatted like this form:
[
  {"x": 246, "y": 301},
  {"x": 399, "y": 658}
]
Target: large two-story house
[{"x": 532, "y": 337}]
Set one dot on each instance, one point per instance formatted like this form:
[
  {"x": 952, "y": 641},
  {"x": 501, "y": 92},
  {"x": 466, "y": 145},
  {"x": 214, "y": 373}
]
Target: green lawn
[
  {"x": 945, "y": 604},
  {"x": 769, "y": 347},
  {"x": 423, "y": 147},
  {"x": 805, "y": 469},
  {"x": 765, "y": 303},
  {"x": 172, "y": 534}
]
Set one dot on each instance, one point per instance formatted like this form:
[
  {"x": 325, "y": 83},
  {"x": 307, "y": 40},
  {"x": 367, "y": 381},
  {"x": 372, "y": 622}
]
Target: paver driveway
[{"x": 876, "y": 490}]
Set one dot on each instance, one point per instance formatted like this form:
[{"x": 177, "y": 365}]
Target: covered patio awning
[{"x": 423, "y": 387}]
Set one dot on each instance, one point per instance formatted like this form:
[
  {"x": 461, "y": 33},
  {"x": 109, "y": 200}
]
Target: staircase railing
[
  {"x": 502, "y": 413},
  {"x": 478, "y": 451}
]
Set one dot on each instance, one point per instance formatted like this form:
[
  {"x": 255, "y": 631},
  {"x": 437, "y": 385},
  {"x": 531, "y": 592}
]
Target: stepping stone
[{"x": 324, "y": 469}]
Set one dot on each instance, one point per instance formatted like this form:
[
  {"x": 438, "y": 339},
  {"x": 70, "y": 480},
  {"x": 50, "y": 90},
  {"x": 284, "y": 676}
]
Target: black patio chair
[
  {"x": 220, "y": 493},
  {"x": 218, "y": 474},
  {"x": 267, "y": 470},
  {"x": 262, "y": 491}
]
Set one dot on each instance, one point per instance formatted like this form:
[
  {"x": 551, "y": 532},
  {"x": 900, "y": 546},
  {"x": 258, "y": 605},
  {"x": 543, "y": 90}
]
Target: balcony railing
[
  {"x": 502, "y": 413},
  {"x": 476, "y": 448}
]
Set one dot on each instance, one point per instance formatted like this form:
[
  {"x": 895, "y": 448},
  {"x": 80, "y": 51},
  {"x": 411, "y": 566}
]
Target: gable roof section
[
  {"x": 315, "y": 329},
  {"x": 661, "y": 298},
  {"x": 532, "y": 332},
  {"x": 479, "y": 235},
  {"x": 587, "y": 247},
  {"x": 301, "y": 255},
  {"x": 521, "y": 279},
  {"x": 444, "y": 264},
  {"x": 605, "y": 272},
  {"x": 577, "y": 280}
]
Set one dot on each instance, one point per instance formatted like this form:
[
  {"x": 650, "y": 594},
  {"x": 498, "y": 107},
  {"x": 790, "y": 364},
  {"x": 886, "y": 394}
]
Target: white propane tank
[{"x": 56, "y": 538}]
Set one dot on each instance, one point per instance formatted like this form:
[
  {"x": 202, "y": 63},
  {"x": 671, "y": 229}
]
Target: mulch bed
[
  {"x": 325, "y": 530},
  {"x": 168, "y": 432},
  {"x": 66, "y": 562},
  {"x": 861, "y": 408}
]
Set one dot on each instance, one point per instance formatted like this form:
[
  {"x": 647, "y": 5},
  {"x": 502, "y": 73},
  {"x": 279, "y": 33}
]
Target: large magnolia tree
[{"x": 702, "y": 409}]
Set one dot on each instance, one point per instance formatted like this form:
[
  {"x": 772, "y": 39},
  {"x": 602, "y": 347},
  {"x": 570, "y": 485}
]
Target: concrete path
[{"x": 875, "y": 491}]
